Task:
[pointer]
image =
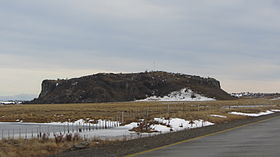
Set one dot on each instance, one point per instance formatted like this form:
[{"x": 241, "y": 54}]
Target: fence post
[
  {"x": 40, "y": 132},
  {"x": 103, "y": 124},
  {"x": 122, "y": 117},
  {"x": 26, "y": 133},
  {"x": 19, "y": 132},
  {"x": 168, "y": 108}
]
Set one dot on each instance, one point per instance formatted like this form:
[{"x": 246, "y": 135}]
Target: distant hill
[
  {"x": 21, "y": 97},
  {"x": 110, "y": 87}
]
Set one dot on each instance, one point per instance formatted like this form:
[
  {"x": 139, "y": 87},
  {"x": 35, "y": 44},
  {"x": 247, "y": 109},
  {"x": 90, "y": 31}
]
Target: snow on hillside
[{"x": 182, "y": 95}]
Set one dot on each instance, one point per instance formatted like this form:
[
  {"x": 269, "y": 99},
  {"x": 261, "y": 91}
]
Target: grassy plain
[{"x": 132, "y": 111}]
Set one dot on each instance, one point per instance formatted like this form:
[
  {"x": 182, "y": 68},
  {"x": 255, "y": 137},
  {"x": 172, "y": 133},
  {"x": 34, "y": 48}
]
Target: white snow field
[
  {"x": 98, "y": 131},
  {"x": 182, "y": 95},
  {"x": 175, "y": 124}
]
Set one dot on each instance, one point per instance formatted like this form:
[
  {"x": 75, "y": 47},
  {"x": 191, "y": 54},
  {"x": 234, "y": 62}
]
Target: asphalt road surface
[{"x": 255, "y": 140}]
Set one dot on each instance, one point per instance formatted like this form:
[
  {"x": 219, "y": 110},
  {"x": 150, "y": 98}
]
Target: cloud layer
[{"x": 235, "y": 41}]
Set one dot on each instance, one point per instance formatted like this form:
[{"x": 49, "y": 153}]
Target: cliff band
[{"x": 109, "y": 87}]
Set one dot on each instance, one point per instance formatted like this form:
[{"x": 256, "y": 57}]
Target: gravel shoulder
[{"x": 133, "y": 146}]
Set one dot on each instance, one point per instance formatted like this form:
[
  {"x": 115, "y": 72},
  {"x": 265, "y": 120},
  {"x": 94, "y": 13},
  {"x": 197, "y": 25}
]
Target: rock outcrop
[{"x": 109, "y": 87}]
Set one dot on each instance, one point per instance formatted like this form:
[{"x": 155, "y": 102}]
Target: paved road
[{"x": 256, "y": 140}]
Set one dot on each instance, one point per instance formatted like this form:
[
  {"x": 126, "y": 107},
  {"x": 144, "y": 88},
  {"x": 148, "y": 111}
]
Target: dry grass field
[
  {"x": 131, "y": 111},
  {"x": 31, "y": 148},
  {"x": 40, "y": 147}
]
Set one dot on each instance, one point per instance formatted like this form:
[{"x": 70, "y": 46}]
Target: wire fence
[{"x": 26, "y": 131}]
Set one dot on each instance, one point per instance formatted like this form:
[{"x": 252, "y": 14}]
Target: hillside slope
[{"x": 109, "y": 87}]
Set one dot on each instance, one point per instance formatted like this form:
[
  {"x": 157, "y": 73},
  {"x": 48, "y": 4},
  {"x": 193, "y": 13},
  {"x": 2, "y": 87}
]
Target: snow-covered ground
[
  {"x": 278, "y": 98},
  {"x": 113, "y": 131},
  {"x": 182, "y": 95},
  {"x": 177, "y": 124},
  {"x": 245, "y": 106},
  {"x": 110, "y": 130},
  {"x": 252, "y": 114},
  {"x": 7, "y": 102},
  {"x": 238, "y": 95},
  {"x": 218, "y": 116},
  {"x": 164, "y": 126}
]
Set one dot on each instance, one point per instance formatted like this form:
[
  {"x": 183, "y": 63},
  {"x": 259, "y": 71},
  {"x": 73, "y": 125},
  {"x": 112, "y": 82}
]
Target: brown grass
[
  {"x": 30, "y": 148},
  {"x": 132, "y": 110},
  {"x": 39, "y": 147}
]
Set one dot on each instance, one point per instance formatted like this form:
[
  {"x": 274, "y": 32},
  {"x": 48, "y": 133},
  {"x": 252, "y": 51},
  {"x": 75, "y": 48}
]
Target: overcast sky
[{"x": 234, "y": 41}]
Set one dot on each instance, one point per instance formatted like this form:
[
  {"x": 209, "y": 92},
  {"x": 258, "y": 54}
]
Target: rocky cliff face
[{"x": 125, "y": 87}]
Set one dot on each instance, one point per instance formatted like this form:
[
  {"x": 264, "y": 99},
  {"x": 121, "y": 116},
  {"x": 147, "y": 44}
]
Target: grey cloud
[{"x": 230, "y": 39}]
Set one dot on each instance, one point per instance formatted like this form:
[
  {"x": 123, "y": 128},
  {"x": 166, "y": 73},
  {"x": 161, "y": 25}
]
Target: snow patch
[
  {"x": 19, "y": 120},
  {"x": 161, "y": 128},
  {"x": 275, "y": 110},
  {"x": 75, "y": 83},
  {"x": 177, "y": 124},
  {"x": 252, "y": 114},
  {"x": 131, "y": 125},
  {"x": 9, "y": 102},
  {"x": 218, "y": 116},
  {"x": 182, "y": 95},
  {"x": 275, "y": 98}
]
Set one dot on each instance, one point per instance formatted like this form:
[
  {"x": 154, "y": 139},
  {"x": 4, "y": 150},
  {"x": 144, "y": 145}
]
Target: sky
[{"x": 234, "y": 41}]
